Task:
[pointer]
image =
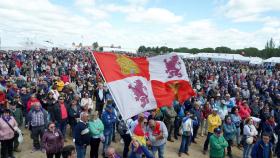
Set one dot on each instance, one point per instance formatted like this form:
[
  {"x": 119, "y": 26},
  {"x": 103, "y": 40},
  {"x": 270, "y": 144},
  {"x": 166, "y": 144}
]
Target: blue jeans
[
  {"x": 238, "y": 136},
  {"x": 185, "y": 144},
  {"x": 81, "y": 151},
  {"x": 144, "y": 150},
  {"x": 107, "y": 142},
  {"x": 247, "y": 150},
  {"x": 160, "y": 150}
]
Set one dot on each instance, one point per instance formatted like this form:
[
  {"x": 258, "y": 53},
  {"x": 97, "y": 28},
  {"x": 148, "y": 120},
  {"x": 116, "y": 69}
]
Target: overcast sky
[{"x": 131, "y": 23}]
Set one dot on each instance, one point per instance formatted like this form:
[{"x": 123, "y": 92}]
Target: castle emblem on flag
[
  {"x": 173, "y": 67},
  {"x": 127, "y": 65},
  {"x": 140, "y": 92}
]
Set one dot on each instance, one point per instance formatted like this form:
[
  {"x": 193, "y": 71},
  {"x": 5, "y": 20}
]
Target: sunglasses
[{"x": 52, "y": 126}]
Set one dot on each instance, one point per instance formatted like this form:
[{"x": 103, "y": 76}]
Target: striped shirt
[{"x": 37, "y": 118}]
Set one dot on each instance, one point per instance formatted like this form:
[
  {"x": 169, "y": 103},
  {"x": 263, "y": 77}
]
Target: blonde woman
[
  {"x": 249, "y": 133},
  {"x": 96, "y": 129}
]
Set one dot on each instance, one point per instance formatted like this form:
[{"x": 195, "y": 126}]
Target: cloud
[
  {"x": 41, "y": 20},
  {"x": 246, "y": 10},
  {"x": 133, "y": 10},
  {"x": 96, "y": 13},
  {"x": 205, "y": 33},
  {"x": 154, "y": 15},
  {"x": 84, "y": 2},
  {"x": 137, "y": 2}
]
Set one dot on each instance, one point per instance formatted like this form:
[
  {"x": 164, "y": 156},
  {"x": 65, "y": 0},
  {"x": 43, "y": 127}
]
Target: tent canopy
[{"x": 272, "y": 60}]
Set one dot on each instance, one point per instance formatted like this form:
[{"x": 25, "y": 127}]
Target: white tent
[
  {"x": 222, "y": 57},
  {"x": 272, "y": 60},
  {"x": 256, "y": 61},
  {"x": 185, "y": 55}
]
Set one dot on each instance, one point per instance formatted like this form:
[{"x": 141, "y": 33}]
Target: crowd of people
[{"x": 48, "y": 91}]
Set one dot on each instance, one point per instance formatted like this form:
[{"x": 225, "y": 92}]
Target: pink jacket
[{"x": 6, "y": 132}]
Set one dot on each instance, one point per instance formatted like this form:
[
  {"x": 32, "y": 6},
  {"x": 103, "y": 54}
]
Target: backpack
[{"x": 122, "y": 128}]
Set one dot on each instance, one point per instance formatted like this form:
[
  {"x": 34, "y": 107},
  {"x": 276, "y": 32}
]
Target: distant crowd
[{"x": 48, "y": 91}]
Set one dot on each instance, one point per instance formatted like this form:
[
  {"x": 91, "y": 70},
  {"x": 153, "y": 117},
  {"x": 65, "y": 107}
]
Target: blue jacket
[
  {"x": 11, "y": 94},
  {"x": 267, "y": 128},
  {"x": 25, "y": 98},
  {"x": 82, "y": 134},
  {"x": 109, "y": 120},
  {"x": 197, "y": 114},
  {"x": 258, "y": 150},
  {"x": 229, "y": 131}
]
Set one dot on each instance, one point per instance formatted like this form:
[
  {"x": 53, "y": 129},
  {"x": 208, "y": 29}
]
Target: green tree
[
  {"x": 207, "y": 50},
  {"x": 270, "y": 44},
  {"x": 80, "y": 45},
  {"x": 142, "y": 49},
  {"x": 95, "y": 45},
  {"x": 182, "y": 50},
  {"x": 251, "y": 51},
  {"x": 270, "y": 49},
  {"x": 163, "y": 49},
  {"x": 222, "y": 49},
  {"x": 194, "y": 50},
  {"x": 170, "y": 50}
]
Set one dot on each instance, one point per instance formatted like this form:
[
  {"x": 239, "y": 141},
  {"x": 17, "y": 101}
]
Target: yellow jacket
[
  {"x": 60, "y": 85},
  {"x": 213, "y": 122}
]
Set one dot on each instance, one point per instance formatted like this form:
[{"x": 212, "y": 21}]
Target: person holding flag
[
  {"x": 187, "y": 131},
  {"x": 139, "y": 138},
  {"x": 109, "y": 119},
  {"x": 157, "y": 133}
]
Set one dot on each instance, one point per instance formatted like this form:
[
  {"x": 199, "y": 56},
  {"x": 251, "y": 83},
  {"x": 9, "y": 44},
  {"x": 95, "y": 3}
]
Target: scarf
[
  {"x": 139, "y": 134},
  {"x": 271, "y": 123},
  {"x": 7, "y": 118},
  {"x": 157, "y": 131}
]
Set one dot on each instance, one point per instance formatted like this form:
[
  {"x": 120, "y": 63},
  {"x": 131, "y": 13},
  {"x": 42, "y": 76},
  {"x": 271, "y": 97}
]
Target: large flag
[
  {"x": 169, "y": 79},
  {"x": 141, "y": 84}
]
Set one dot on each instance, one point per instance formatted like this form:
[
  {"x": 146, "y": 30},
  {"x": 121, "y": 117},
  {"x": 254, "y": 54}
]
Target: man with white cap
[{"x": 214, "y": 121}]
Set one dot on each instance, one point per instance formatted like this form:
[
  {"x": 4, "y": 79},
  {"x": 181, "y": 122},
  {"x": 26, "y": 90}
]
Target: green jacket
[
  {"x": 17, "y": 114},
  {"x": 217, "y": 146},
  {"x": 170, "y": 115},
  {"x": 96, "y": 128}
]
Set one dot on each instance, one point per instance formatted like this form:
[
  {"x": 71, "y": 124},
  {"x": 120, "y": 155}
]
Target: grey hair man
[{"x": 37, "y": 121}]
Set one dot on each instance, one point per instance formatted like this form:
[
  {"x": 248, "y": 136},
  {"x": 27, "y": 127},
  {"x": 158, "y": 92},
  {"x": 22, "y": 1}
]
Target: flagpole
[{"x": 111, "y": 93}]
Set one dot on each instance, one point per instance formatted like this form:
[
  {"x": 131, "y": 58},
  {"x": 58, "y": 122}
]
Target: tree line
[{"x": 270, "y": 50}]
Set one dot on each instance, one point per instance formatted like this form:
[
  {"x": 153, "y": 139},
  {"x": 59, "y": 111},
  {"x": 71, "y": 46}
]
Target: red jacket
[
  {"x": 244, "y": 112},
  {"x": 64, "y": 78},
  {"x": 206, "y": 113},
  {"x": 2, "y": 97}
]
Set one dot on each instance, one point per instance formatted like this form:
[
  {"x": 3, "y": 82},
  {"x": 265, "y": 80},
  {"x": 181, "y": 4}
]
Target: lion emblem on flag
[
  {"x": 173, "y": 67},
  {"x": 140, "y": 92}
]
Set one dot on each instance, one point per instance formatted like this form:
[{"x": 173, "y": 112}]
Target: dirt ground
[{"x": 171, "y": 149}]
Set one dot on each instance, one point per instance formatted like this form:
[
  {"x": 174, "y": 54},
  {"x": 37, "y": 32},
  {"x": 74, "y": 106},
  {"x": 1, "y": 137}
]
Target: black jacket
[
  {"x": 98, "y": 100},
  {"x": 56, "y": 113}
]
